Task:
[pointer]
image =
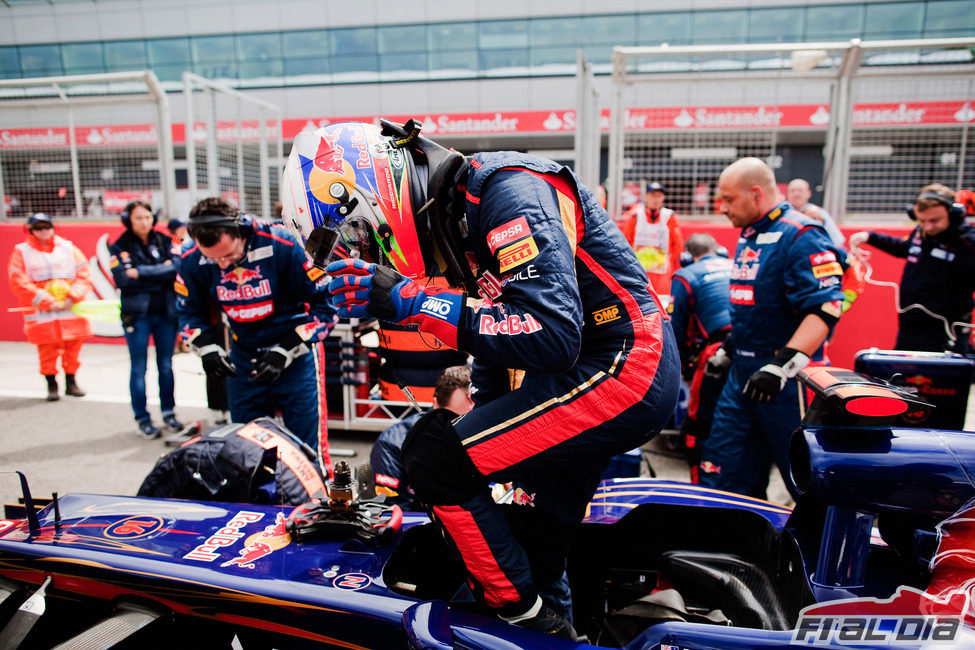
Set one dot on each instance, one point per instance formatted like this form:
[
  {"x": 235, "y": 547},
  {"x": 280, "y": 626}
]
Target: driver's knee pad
[{"x": 437, "y": 467}]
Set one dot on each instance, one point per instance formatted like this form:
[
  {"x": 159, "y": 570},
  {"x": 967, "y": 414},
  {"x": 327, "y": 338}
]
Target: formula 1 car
[{"x": 877, "y": 551}]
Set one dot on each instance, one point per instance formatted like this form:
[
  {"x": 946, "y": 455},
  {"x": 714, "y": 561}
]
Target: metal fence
[
  {"x": 231, "y": 140},
  {"x": 845, "y": 116},
  {"x": 84, "y": 145}
]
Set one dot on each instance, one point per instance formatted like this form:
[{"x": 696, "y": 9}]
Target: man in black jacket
[
  {"x": 939, "y": 276},
  {"x": 144, "y": 268}
]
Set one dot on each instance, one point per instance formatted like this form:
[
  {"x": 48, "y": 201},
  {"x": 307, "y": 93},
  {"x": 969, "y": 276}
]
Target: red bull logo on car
[
  {"x": 274, "y": 536},
  {"x": 225, "y": 536}
]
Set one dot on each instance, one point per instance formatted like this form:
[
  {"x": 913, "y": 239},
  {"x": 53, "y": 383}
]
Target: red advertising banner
[{"x": 792, "y": 116}]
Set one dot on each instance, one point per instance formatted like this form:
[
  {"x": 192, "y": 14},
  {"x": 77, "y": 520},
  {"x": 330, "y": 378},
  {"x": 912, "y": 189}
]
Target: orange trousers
[{"x": 68, "y": 350}]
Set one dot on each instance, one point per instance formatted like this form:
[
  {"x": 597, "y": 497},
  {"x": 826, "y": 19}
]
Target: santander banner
[{"x": 777, "y": 116}]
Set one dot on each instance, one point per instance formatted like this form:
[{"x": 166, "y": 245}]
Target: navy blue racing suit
[
  {"x": 267, "y": 294},
  {"x": 699, "y": 308},
  {"x": 785, "y": 268},
  {"x": 564, "y": 299}
]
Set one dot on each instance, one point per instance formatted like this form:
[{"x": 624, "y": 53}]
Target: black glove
[
  {"x": 717, "y": 364},
  {"x": 767, "y": 382},
  {"x": 216, "y": 363},
  {"x": 269, "y": 367}
]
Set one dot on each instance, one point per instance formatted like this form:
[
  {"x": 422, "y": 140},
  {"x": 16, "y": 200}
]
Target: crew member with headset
[
  {"x": 939, "y": 275},
  {"x": 277, "y": 305},
  {"x": 143, "y": 265}
]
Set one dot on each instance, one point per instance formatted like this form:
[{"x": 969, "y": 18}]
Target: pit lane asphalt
[{"x": 89, "y": 444}]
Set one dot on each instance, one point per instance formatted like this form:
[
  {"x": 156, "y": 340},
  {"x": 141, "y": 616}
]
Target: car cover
[{"x": 257, "y": 462}]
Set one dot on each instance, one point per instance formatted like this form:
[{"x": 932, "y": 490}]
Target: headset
[
  {"x": 243, "y": 222},
  {"x": 132, "y": 205},
  {"x": 956, "y": 211}
]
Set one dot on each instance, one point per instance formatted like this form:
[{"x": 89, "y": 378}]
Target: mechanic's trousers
[
  {"x": 69, "y": 351},
  {"x": 299, "y": 395},
  {"x": 552, "y": 437},
  {"x": 746, "y": 435}
]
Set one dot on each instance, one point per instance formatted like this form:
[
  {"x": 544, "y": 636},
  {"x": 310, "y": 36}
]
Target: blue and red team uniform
[
  {"x": 701, "y": 318},
  {"x": 271, "y": 291},
  {"x": 785, "y": 268},
  {"x": 564, "y": 299}
]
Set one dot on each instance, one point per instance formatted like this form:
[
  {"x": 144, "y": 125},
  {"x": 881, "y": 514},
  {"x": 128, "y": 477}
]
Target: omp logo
[
  {"x": 822, "y": 258},
  {"x": 508, "y": 232},
  {"x": 516, "y": 254},
  {"x": 832, "y": 268},
  {"x": 606, "y": 315},
  {"x": 436, "y": 307},
  {"x": 742, "y": 295},
  {"x": 249, "y": 313}
]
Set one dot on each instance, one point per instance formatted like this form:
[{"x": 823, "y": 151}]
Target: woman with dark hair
[{"x": 144, "y": 263}]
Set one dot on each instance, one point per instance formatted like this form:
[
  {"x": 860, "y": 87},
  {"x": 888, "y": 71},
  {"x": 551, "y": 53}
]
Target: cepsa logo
[
  {"x": 508, "y": 232},
  {"x": 908, "y": 618}
]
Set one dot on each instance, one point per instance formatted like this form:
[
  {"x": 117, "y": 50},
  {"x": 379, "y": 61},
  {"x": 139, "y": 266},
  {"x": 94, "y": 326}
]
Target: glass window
[
  {"x": 553, "y": 55},
  {"x": 125, "y": 55},
  {"x": 9, "y": 63},
  {"x": 259, "y": 47},
  {"x": 367, "y": 64},
  {"x": 403, "y": 38},
  {"x": 452, "y": 36},
  {"x": 556, "y": 31},
  {"x": 948, "y": 19},
  {"x": 82, "y": 58},
  {"x": 494, "y": 60},
  {"x": 40, "y": 60},
  {"x": 306, "y": 44},
  {"x": 411, "y": 63},
  {"x": 891, "y": 20},
  {"x": 169, "y": 72},
  {"x": 253, "y": 69},
  {"x": 216, "y": 69},
  {"x": 775, "y": 25},
  {"x": 834, "y": 23},
  {"x": 454, "y": 63},
  {"x": 657, "y": 29},
  {"x": 355, "y": 43},
  {"x": 208, "y": 50},
  {"x": 169, "y": 52},
  {"x": 308, "y": 65},
  {"x": 720, "y": 27},
  {"x": 502, "y": 34},
  {"x": 610, "y": 30}
]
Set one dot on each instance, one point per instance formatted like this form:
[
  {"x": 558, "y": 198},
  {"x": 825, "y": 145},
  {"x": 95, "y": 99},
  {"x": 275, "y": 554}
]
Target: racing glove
[
  {"x": 767, "y": 382},
  {"x": 269, "y": 367},
  {"x": 360, "y": 290},
  {"x": 216, "y": 363},
  {"x": 717, "y": 364}
]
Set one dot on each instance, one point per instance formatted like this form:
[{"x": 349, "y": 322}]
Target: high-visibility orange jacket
[
  {"x": 47, "y": 279},
  {"x": 658, "y": 242}
]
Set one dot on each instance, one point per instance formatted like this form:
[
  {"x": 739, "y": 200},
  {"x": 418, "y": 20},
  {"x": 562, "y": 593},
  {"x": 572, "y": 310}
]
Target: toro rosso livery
[{"x": 877, "y": 552}]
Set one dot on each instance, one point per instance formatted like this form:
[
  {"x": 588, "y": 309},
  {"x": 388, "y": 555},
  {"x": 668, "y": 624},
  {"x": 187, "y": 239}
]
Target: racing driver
[{"x": 574, "y": 360}]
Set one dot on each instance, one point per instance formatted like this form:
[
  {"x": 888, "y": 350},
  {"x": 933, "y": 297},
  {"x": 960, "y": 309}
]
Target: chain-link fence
[
  {"x": 835, "y": 114},
  {"x": 84, "y": 145},
  {"x": 233, "y": 146}
]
